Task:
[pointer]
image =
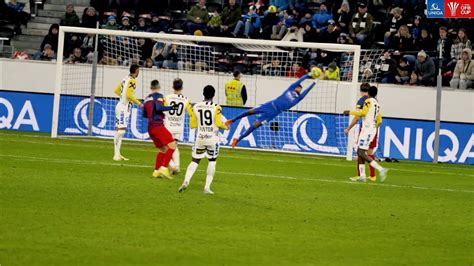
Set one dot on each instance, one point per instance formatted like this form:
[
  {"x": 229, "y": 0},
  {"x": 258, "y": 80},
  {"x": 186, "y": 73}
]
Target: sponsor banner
[
  {"x": 294, "y": 131},
  {"x": 450, "y": 9}
]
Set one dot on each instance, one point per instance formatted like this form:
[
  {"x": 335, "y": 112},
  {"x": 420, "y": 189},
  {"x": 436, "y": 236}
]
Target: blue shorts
[{"x": 266, "y": 112}]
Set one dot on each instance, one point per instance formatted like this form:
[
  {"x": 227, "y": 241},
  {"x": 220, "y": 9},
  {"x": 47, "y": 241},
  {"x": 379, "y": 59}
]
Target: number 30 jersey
[
  {"x": 174, "y": 120},
  {"x": 207, "y": 119}
]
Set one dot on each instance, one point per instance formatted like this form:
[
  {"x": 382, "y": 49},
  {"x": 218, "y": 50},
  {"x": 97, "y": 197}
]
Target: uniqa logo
[
  {"x": 453, "y": 7},
  {"x": 435, "y": 7},
  {"x": 305, "y": 139},
  {"x": 81, "y": 120}
]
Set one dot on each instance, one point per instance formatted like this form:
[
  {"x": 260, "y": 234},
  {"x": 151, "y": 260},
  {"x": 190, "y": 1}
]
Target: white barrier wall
[{"x": 397, "y": 101}]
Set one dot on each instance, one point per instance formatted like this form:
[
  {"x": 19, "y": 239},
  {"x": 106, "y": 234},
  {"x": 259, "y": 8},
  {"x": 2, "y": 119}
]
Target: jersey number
[
  {"x": 179, "y": 111},
  {"x": 205, "y": 117}
]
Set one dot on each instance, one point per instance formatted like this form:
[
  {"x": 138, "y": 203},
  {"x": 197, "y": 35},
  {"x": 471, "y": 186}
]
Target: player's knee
[
  {"x": 172, "y": 145},
  {"x": 163, "y": 149},
  {"x": 196, "y": 160}
]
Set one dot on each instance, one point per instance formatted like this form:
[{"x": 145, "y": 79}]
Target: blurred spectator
[
  {"x": 280, "y": 4},
  {"x": 446, "y": 43},
  {"x": 460, "y": 43},
  {"x": 230, "y": 16},
  {"x": 71, "y": 42},
  {"x": 89, "y": 18},
  {"x": 309, "y": 34},
  {"x": 126, "y": 25},
  {"x": 20, "y": 9},
  {"x": 214, "y": 24},
  {"x": 402, "y": 76},
  {"x": 141, "y": 26},
  {"x": 307, "y": 18},
  {"x": 361, "y": 24},
  {"x": 75, "y": 57},
  {"x": 285, "y": 22},
  {"x": 394, "y": 22},
  {"x": 343, "y": 17},
  {"x": 107, "y": 60},
  {"x": 270, "y": 19},
  {"x": 321, "y": 18},
  {"x": 145, "y": 47},
  {"x": 51, "y": 38},
  {"x": 332, "y": 73},
  {"x": 198, "y": 16},
  {"x": 249, "y": 24},
  {"x": 344, "y": 39},
  {"x": 299, "y": 5},
  {"x": 402, "y": 40},
  {"x": 171, "y": 60},
  {"x": 388, "y": 68},
  {"x": 111, "y": 24},
  {"x": 47, "y": 54},
  {"x": 296, "y": 71},
  {"x": 70, "y": 18},
  {"x": 425, "y": 42},
  {"x": 330, "y": 33},
  {"x": 416, "y": 28},
  {"x": 273, "y": 69},
  {"x": 148, "y": 63},
  {"x": 159, "y": 54},
  {"x": 88, "y": 43},
  {"x": 294, "y": 34},
  {"x": 158, "y": 24},
  {"x": 463, "y": 76},
  {"x": 424, "y": 72}
]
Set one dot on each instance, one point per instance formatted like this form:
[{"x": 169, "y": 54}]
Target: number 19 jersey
[
  {"x": 174, "y": 120},
  {"x": 208, "y": 120}
]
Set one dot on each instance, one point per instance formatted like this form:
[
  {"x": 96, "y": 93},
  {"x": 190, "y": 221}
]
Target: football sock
[
  {"x": 362, "y": 170},
  {"x": 175, "y": 158},
  {"x": 211, "y": 170},
  {"x": 167, "y": 157},
  {"x": 372, "y": 170},
  {"x": 375, "y": 165},
  {"x": 246, "y": 133},
  {"x": 118, "y": 141},
  {"x": 159, "y": 160},
  {"x": 190, "y": 172}
]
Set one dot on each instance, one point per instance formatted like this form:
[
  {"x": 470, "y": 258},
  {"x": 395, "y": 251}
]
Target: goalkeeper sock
[
  {"x": 372, "y": 170},
  {"x": 167, "y": 157},
  {"x": 175, "y": 158},
  {"x": 362, "y": 170},
  {"x": 375, "y": 165},
  {"x": 159, "y": 160},
  {"x": 211, "y": 170},
  {"x": 118, "y": 142},
  {"x": 192, "y": 167},
  {"x": 246, "y": 133}
]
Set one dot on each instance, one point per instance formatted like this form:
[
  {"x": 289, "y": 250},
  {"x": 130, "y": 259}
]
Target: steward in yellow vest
[{"x": 235, "y": 91}]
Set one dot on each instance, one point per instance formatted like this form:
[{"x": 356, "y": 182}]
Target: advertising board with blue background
[{"x": 293, "y": 131}]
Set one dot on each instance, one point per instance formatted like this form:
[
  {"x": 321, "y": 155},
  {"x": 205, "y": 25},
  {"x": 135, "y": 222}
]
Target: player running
[
  {"x": 269, "y": 110},
  {"x": 174, "y": 119},
  {"x": 364, "y": 91},
  {"x": 125, "y": 90},
  {"x": 161, "y": 137},
  {"x": 370, "y": 114},
  {"x": 207, "y": 119}
]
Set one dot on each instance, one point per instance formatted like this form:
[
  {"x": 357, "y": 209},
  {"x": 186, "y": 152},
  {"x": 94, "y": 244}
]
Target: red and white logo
[
  {"x": 458, "y": 9},
  {"x": 453, "y": 7}
]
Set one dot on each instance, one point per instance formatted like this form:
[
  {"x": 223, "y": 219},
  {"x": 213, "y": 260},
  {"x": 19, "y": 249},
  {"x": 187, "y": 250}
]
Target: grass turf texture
[{"x": 64, "y": 201}]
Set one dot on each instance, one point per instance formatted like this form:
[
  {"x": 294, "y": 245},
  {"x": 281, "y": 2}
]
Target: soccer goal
[{"x": 84, "y": 99}]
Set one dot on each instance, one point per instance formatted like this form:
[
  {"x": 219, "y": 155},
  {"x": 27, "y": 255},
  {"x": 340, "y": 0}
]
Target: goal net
[{"x": 85, "y": 101}]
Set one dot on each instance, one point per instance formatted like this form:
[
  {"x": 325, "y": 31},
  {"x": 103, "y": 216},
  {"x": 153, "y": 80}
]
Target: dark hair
[
  {"x": 155, "y": 83},
  {"x": 209, "y": 92},
  {"x": 133, "y": 68},
  {"x": 373, "y": 91},
  {"x": 443, "y": 28},
  {"x": 236, "y": 73},
  {"x": 178, "y": 84},
  {"x": 364, "y": 87}
]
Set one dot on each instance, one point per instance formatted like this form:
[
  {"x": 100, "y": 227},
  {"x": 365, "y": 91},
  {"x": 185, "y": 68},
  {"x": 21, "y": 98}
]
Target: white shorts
[
  {"x": 122, "y": 115},
  {"x": 366, "y": 137},
  {"x": 209, "y": 151}
]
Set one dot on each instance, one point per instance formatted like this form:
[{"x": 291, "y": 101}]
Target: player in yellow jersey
[
  {"x": 174, "y": 119},
  {"x": 370, "y": 114},
  {"x": 207, "y": 120},
  {"x": 125, "y": 90}
]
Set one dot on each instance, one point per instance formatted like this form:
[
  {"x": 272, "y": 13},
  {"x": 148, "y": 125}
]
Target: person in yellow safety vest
[
  {"x": 332, "y": 73},
  {"x": 235, "y": 91}
]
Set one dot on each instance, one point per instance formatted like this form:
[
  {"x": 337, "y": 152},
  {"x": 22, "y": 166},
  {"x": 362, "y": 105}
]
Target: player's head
[
  {"x": 237, "y": 75},
  {"x": 298, "y": 89},
  {"x": 209, "y": 92},
  {"x": 373, "y": 91},
  {"x": 134, "y": 70},
  {"x": 364, "y": 89},
  {"x": 177, "y": 84},
  {"x": 155, "y": 85}
]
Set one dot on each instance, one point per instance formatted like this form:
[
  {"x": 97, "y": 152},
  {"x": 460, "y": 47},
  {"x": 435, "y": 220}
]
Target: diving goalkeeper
[{"x": 269, "y": 110}]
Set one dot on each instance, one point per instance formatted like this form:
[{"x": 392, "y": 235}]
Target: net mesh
[{"x": 312, "y": 126}]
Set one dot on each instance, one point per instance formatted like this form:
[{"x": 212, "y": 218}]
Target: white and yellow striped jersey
[
  {"x": 126, "y": 90},
  {"x": 174, "y": 119},
  {"x": 208, "y": 120},
  {"x": 370, "y": 113}
]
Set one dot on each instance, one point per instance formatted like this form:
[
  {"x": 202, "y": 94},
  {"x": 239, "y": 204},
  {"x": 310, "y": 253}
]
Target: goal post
[{"x": 315, "y": 125}]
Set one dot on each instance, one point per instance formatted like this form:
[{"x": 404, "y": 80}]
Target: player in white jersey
[
  {"x": 174, "y": 119},
  {"x": 125, "y": 90},
  {"x": 370, "y": 114},
  {"x": 207, "y": 119}
]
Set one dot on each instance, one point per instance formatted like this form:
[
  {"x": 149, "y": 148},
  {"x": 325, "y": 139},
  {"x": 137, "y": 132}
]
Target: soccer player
[
  {"x": 370, "y": 114},
  {"x": 364, "y": 92},
  {"x": 162, "y": 138},
  {"x": 269, "y": 110},
  {"x": 174, "y": 119},
  {"x": 207, "y": 119},
  {"x": 125, "y": 90}
]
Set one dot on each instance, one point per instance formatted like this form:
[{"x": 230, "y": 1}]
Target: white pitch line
[
  {"x": 267, "y": 159},
  {"x": 84, "y": 162}
]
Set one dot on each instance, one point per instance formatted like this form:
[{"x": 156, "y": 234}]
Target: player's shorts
[
  {"x": 160, "y": 136},
  {"x": 122, "y": 115},
  {"x": 374, "y": 142},
  {"x": 209, "y": 151},
  {"x": 266, "y": 112},
  {"x": 366, "y": 137}
]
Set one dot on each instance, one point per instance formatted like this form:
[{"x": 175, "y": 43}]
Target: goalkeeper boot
[
  {"x": 164, "y": 172},
  {"x": 183, "y": 187},
  {"x": 156, "y": 174},
  {"x": 228, "y": 122},
  {"x": 234, "y": 143},
  {"x": 372, "y": 178},
  {"x": 208, "y": 191},
  {"x": 383, "y": 174},
  {"x": 358, "y": 179}
]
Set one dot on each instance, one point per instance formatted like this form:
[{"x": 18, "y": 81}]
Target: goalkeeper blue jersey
[{"x": 290, "y": 97}]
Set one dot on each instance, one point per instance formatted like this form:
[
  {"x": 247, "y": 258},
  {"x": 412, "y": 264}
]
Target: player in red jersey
[{"x": 162, "y": 138}]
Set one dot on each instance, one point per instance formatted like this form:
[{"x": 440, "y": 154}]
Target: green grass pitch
[{"x": 64, "y": 201}]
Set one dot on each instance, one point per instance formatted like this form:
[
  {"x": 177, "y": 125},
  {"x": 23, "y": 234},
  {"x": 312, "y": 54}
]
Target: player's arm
[
  {"x": 364, "y": 110},
  {"x": 190, "y": 111},
  {"x": 352, "y": 124},
  {"x": 297, "y": 83},
  {"x": 160, "y": 106},
  {"x": 130, "y": 88},
  {"x": 218, "y": 119},
  {"x": 193, "y": 123},
  {"x": 117, "y": 89},
  {"x": 306, "y": 91},
  {"x": 378, "y": 120}
]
